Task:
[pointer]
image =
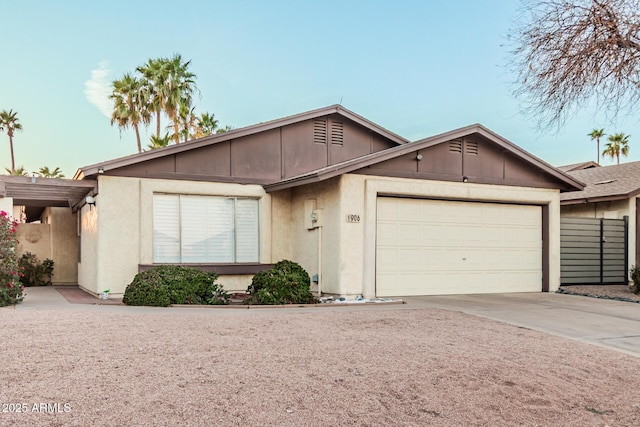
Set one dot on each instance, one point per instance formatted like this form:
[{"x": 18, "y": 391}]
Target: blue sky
[{"x": 417, "y": 68}]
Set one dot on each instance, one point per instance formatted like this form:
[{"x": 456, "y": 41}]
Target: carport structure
[
  {"x": 36, "y": 193},
  {"x": 50, "y": 210}
]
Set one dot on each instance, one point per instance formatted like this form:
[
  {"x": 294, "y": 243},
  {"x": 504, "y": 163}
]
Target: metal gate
[{"x": 593, "y": 251}]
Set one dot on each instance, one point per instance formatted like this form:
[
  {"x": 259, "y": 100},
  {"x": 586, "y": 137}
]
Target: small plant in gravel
[
  {"x": 171, "y": 284},
  {"x": 286, "y": 283},
  {"x": 10, "y": 286},
  {"x": 635, "y": 277},
  {"x": 36, "y": 273}
]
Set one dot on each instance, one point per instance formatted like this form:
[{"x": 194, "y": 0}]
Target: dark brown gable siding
[
  {"x": 151, "y": 167},
  {"x": 441, "y": 159},
  {"x": 326, "y": 141},
  {"x": 482, "y": 158},
  {"x": 473, "y": 157},
  {"x": 300, "y": 151},
  {"x": 517, "y": 170},
  {"x": 257, "y": 156},
  {"x": 211, "y": 160},
  {"x": 358, "y": 142},
  {"x": 268, "y": 156}
]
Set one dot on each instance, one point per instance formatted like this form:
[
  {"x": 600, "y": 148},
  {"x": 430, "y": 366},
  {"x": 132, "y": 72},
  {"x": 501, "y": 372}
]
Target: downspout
[
  {"x": 316, "y": 222},
  {"x": 319, "y": 261}
]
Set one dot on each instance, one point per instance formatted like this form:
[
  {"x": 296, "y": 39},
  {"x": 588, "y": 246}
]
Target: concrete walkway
[{"x": 607, "y": 323}]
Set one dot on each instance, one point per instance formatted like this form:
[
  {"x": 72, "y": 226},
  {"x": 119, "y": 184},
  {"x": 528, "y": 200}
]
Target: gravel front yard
[{"x": 317, "y": 367}]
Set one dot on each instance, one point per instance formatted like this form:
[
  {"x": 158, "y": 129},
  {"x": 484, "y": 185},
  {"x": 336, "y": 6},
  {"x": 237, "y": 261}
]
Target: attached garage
[{"x": 431, "y": 247}]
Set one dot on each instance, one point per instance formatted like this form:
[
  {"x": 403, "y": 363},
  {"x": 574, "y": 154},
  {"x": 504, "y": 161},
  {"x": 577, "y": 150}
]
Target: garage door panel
[{"x": 428, "y": 247}]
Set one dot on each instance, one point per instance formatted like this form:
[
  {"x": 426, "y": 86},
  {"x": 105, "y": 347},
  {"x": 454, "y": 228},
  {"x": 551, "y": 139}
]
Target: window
[{"x": 204, "y": 229}]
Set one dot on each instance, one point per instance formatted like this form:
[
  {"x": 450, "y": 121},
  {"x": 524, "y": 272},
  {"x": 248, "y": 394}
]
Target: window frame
[{"x": 180, "y": 217}]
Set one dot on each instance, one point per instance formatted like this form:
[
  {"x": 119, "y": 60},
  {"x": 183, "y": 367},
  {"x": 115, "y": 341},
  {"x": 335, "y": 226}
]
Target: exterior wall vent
[
  {"x": 337, "y": 133},
  {"x": 320, "y": 131},
  {"x": 455, "y": 147},
  {"x": 471, "y": 148}
]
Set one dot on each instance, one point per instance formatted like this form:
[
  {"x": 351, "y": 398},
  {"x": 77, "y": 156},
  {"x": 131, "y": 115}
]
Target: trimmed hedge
[
  {"x": 164, "y": 285},
  {"x": 286, "y": 283}
]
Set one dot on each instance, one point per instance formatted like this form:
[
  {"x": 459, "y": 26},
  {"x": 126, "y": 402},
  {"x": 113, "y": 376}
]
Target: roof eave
[
  {"x": 582, "y": 199},
  {"x": 380, "y": 156},
  {"x": 92, "y": 170},
  {"x": 548, "y": 168}
]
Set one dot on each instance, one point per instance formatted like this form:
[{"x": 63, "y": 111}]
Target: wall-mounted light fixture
[
  {"x": 33, "y": 179},
  {"x": 91, "y": 201},
  {"x": 465, "y": 179},
  {"x": 100, "y": 170},
  {"x": 419, "y": 157}
]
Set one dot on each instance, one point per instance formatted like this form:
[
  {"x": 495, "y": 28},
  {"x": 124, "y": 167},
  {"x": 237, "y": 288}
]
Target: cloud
[{"x": 98, "y": 88}]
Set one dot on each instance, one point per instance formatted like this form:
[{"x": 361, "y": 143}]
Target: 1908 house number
[{"x": 353, "y": 218}]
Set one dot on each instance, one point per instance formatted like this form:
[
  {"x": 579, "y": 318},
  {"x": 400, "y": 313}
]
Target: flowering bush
[{"x": 10, "y": 273}]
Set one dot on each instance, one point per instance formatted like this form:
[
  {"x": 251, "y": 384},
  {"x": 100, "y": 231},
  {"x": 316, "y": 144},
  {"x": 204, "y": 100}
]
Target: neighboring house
[
  {"x": 579, "y": 166},
  {"x": 362, "y": 209},
  {"x": 611, "y": 195}
]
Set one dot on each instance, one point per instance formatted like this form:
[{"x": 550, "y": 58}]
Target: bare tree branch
[{"x": 569, "y": 52}]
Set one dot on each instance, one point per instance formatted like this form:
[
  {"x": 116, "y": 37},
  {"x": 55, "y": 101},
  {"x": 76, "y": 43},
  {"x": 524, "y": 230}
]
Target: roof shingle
[{"x": 604, "y": 183}]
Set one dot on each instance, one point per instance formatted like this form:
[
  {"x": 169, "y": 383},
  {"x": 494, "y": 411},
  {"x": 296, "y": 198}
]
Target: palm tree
[
  {"x": 21, "y": 171},
  {"x": 155, "y": 75},
  {"x": 207, "y": 125},
  {"x": 130, "y": 106},
  {"x": 224, "y": 129},
  {"x": 45, "y": 172},
  {"x": 159, "y": 142},
  {"x": 9, "y": 121},
  {"x": 597, "y": 134},
  {"x": 178, "y": 91},
  {"x": 171, "y": 84},
  {"x": 618, "y": 144},
  {"x": 187, "y": 123}
]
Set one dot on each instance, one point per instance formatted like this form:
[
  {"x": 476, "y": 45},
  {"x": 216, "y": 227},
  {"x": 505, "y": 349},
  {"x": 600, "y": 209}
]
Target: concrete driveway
[{"x": 607, "y": 323}]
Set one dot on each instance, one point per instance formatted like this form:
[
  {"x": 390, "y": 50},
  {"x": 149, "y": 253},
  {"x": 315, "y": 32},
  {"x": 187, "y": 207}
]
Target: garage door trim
[{"x": 512, "y": 215}]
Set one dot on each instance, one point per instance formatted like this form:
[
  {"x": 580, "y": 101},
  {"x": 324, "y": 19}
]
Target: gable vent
[
  {"x": 337, "y": 133},
  {"x": 455, "y": 147},
  {"x": 471, "y": 148},
  {"x": 320, "y": 132}
]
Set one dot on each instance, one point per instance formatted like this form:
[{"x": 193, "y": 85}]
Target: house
[
  {"x": 605, "y": 212},
  {"x": 363, "y": 210}
]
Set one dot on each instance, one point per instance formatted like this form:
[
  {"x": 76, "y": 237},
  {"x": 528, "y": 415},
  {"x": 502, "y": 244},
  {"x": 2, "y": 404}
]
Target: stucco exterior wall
[
  {"x": 88, "y": 262},
  {"x": 55, "y": 238},
  {"x": 352, "y": 234},
  {"x": 613, "y": 210},
  {"x": 349, "y": 245},
  {"x": 6, "y": 204},
  {"x": 305, "y": 244},
  {"x": 121, "y": 228},
  {"x": 281, "y": 225},
  {"x": 64, "y": 244},
  {"x": 34, "y": 238}
]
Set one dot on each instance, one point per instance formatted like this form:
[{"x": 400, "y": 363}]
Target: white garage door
[{"x": 439, "y": 247}]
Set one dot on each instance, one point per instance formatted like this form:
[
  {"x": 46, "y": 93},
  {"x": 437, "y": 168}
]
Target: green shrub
[
  {"x": 171, "y": 284},
  {"x": 11, "y": 290},
  {"x": 635, "y": 276},
  {"x": 286, "y": 283},
  {"x": 36, "y": 273}
]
